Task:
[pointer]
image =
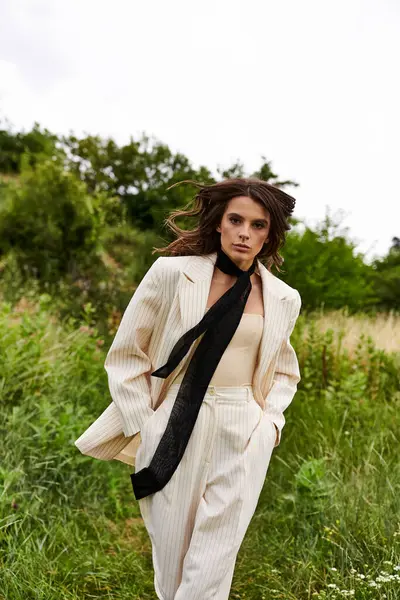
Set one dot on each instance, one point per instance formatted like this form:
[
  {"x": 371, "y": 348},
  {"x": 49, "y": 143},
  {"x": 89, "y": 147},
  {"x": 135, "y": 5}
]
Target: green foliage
[
  {"x": 34, "y": 144},
  {"x": 138, "y": 173},
  {"x": 327, "y": 518},
  {"x": 78, "y": 221},
  {"x": 52, "y": 383},
  {"x": 323, "y": 265},
  {"x": 60, "y": 196},
  {"x": 50, "y": 222},
  {"x": 387, "y": 278}
]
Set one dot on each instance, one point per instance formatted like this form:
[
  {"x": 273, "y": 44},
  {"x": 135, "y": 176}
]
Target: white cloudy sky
[{"x": 311, "y": 85}]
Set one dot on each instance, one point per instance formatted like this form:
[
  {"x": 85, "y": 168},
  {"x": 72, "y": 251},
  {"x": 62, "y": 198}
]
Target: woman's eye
[{"x": 235, "y": 219}]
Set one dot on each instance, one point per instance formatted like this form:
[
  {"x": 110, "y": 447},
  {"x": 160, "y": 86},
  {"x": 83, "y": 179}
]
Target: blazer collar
[{"x": 200, "y": 268}]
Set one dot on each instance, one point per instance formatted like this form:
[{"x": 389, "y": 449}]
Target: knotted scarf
[{"x": 218, "y": 325}]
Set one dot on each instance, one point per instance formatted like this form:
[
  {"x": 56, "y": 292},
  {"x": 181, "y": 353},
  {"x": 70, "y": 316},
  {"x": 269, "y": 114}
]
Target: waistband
[{"x": 222, "y": 391}]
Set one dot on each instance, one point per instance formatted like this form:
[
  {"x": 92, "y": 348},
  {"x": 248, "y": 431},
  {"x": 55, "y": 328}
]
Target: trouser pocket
[
  {"x": 256, "y": 410},
  {"x": 153, "y": 429}
]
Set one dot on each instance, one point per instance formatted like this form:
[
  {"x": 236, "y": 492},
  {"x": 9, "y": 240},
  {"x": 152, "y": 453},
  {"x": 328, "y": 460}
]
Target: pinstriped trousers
[{"x": 197, "y": 522}]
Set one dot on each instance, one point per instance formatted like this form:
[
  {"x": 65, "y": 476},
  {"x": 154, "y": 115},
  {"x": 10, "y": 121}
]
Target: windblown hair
[{"x": 209, "y": 206}]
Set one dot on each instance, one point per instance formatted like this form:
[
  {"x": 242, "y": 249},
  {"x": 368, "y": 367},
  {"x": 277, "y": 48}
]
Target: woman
[{"x": 209, "y": 417}]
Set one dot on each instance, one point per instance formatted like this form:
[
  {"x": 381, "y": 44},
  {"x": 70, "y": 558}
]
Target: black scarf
[{"x": 219, "y": 324}]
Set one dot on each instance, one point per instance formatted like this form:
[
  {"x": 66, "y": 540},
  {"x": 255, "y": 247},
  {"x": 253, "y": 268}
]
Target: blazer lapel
[
  {"x": 275, "y": 325},
  {"x": 187, "y": 310},
  {"x": 194, "y": 288}
]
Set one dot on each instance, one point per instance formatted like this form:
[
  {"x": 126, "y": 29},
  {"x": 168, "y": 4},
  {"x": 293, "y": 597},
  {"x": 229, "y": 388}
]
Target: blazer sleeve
[
  {"x": 127, "y": 363},
  {"x": 286, "y": 375}
]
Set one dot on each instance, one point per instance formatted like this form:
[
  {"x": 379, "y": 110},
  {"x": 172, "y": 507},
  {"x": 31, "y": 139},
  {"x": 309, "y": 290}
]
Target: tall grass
[
  {"x": 329, "y": 513},
  {"x": 382, "y": 328}
]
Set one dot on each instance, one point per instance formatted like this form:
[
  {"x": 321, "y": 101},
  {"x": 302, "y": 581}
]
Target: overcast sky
[{"x": 313, "y": 86}]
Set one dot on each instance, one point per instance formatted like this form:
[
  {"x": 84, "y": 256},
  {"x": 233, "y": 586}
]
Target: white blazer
[{"x": 170, "y": 299}]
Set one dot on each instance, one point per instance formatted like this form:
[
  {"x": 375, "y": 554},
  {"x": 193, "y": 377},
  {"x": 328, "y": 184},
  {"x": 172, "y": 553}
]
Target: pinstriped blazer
[{"x": 170, "y": 299}]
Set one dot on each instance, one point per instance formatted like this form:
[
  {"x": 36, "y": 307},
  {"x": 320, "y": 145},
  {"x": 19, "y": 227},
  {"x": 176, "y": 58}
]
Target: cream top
[{"x": 237, "y": 364}]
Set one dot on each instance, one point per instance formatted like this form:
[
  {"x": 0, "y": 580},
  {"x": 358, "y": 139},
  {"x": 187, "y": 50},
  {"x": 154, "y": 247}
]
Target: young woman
[{"x": 200, "y": 372}]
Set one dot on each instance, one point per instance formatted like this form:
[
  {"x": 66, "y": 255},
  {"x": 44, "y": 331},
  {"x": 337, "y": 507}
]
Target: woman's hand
[{"x": 277, "y": 434}]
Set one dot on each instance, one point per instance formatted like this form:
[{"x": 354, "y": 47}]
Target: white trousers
[{"x": 197, "y": 522}]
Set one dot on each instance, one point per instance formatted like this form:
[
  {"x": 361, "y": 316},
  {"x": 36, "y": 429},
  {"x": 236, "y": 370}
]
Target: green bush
[
  {"x": 50, "y": 222},
  {"x": 323, "y": 265}
]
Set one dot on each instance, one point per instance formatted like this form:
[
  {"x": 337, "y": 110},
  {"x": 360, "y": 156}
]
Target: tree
[
  {"x": 266, "y": 173},
  {"x": 387, "y": 277},
  {"x": 31, "y": 144},
  {"x": 49, "y": 221},
  {"x": 139, "y": 173},
  {"x": 323, "y": 265}
]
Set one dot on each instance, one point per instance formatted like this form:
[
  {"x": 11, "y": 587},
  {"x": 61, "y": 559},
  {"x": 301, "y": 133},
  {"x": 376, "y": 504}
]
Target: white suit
[{"x": 171, "y": 299}]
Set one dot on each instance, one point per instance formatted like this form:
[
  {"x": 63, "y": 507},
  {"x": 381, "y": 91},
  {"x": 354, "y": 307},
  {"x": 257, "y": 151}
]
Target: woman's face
[{"x": 244, "y": 222}]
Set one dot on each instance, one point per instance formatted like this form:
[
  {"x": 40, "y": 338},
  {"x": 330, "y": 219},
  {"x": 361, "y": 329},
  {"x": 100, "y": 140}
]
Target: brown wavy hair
[{"x": 209, "y": 206}]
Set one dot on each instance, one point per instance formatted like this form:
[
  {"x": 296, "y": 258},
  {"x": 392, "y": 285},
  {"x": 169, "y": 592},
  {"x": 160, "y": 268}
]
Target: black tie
[{"x": 219, "y": 324}]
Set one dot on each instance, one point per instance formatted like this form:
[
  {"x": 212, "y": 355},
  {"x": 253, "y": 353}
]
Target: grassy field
[
  {"x": 383, "y": 328},
  {"x": 328, "y": 521}
]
